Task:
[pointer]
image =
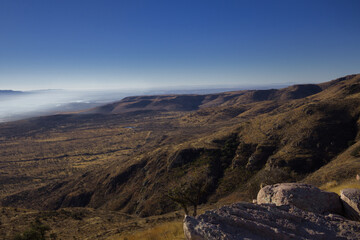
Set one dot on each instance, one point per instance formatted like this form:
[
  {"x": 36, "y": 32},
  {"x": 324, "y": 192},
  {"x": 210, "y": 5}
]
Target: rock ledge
[
  {"x": 267, "y": 221},
  {"x": 351, "y": 203},
  {"x": 284, "y": 211}
]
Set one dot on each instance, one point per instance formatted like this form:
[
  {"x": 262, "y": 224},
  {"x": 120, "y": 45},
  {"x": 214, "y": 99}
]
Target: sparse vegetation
[
  {"x": 265, "y": 177},
  {"x": 35, "y": 232},
  {"x": 242, "y": 142},
  {"x": 336, "y": 187},
  {"x": 165, "y": 231},
  {"x": 191, "y": 191},
  {"x": 233, "y": 179},
  {"x": 356, "y": 152}
]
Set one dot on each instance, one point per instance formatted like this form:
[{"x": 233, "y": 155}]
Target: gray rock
[
  {"x": 303, "y": 196},
  {"x": 351, "y": 203},
  {"x": 267, "y": 221}
]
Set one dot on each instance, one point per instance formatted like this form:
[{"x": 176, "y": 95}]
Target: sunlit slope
[
  {"x": 249, "y": 139},
  {"x": 194, "y": 102}
]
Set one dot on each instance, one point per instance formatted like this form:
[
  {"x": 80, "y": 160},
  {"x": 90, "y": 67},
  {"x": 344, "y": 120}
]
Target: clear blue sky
[{"x": 175, "y": 43}]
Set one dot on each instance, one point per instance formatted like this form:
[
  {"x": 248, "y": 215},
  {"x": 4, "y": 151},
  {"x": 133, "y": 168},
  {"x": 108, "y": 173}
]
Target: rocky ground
[{"x": 284, "y": 211}]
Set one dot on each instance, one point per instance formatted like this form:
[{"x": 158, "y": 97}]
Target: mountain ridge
[
  {"x": 236, "y": 143},
  {"x": 191, "y": 102}
]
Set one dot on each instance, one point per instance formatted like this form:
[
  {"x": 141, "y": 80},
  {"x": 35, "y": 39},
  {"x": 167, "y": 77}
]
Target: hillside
[
  {"x": 195, "y": 102},
  {"x": 129, "y": 155}
]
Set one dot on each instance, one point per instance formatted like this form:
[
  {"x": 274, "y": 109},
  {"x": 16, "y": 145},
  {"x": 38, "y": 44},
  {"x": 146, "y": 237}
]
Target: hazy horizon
[
  {"x": 168, "y": 88},
  {"x": 33, "y": 103}
]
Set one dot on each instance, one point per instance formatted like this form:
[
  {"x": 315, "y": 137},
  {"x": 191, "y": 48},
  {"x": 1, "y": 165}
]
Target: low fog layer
[
  {"x": 15, "y": 105},
  {"x": 18, "y": 105}
]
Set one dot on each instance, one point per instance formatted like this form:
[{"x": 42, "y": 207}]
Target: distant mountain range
[
  {"x": 191, "y": 102},
  {"x": 10, "y": 92},
  {"x": 17, "y": 105}
]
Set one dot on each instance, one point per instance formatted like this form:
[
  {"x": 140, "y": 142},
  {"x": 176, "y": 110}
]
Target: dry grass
[
  {"x": 164, "y": 231},
  {"x": 91, "y": 224},
  {"x": 52, "y": 150},
  {"x": 335, "y": 187},
  {"x": 340, "y": 171},
  {"x": 59, "y": 148}
]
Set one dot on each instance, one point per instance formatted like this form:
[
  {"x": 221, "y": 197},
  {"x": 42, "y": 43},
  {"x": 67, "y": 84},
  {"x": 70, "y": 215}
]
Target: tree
[{"x": 190, "y": 191}]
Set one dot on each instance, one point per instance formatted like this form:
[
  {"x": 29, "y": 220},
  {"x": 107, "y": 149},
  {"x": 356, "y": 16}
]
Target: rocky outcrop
[
  {"x": 283, "y": 211},
  {"x": 303, "y": 196},
  {"x": 260, "y": 156},
  {"x": 184, "y": 156},
  {"x": 351, "y": 202},
  {"x": 243, "y": 152},
  {"x": 267, "y": 221}
]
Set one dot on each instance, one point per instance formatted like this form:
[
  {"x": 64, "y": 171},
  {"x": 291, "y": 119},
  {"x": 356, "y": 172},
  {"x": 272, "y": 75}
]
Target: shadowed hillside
[{"x": 130, "y": 154}]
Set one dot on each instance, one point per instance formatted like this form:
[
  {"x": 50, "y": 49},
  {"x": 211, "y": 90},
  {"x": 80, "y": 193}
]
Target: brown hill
[
  {"x": 195, "y": 102},
  {"x": 229, "y": 142}
]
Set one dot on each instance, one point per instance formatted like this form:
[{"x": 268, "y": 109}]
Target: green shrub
[{"x": 36, "y": 231}]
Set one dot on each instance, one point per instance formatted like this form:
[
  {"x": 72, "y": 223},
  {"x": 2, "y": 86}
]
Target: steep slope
[
  {"x": 343, "y": 167},
  {"x": 237, "y": 142}
]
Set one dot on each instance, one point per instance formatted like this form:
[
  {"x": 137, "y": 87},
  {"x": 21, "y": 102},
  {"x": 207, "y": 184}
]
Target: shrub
[
  {"x": 232, "y": 180},
  {"x": 190, "y": 191},
  {"x": 36, "y": 231}
]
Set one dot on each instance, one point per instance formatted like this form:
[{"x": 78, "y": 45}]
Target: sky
[{"x": 142, "y": 44}]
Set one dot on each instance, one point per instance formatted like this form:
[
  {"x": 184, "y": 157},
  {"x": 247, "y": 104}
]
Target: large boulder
[
  {"x": 267, "y": 221},
  {"x": 303, "y": 196},
  {"x": 351, "y": 203}
]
